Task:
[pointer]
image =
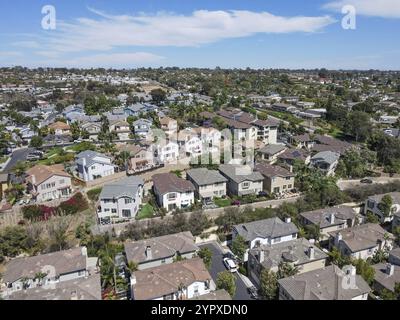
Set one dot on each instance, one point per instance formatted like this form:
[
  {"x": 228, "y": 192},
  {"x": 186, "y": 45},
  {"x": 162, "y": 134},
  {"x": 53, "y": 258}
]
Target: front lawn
[
  {"x": 146, "y": 212},
  {"x": 222, "y": 202}
]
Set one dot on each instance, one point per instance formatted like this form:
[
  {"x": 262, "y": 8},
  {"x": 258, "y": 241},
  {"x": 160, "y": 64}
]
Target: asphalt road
[
  {"x": 351, "y": 184},
  {"x": 18, "y": 155},
  {"x": 218, "y": 266}
]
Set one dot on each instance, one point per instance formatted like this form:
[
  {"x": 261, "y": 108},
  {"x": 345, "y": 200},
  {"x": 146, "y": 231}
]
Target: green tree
[
  {"x": 206, "y": 254},
  {"x": 158, "y": 95},
  {"x": 365, "y": 270},
  {"x": 36, "y": 142},
  {"x": 385, "y": 205},
  {"x": 226, "y": 280},
  {"x": 286, "y": 270},
  {"x": 239, "y": 247},
  {"x": 268, "y": 284},
  {"x": 358, "y": 125}
]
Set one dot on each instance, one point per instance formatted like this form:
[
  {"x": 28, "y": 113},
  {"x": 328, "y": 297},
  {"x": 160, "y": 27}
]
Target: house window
[
  {"x": 371, "y": 204},
  {"x": 62, "y": 181},
  {"x": 126, "y": 213},
  {"x": 113, "y": 210},
  {"x": 245, "y": 185},
  {"x": 278, "y": 239},
  {"x": 128, "y": 200},
  {"x": 163, "y": 261},
  {"x": 284, "y": 187},
  {"x": 289, "y": 186},
  {"x": 196, "y": 289},
  {"x": 171, "y": 196}
]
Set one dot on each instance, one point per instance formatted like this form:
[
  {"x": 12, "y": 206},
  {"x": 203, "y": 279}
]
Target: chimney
[
  {"x": 390, "y": 269},
  {"x": 350, "y": 270},
  {"x": 84, "y": 161},
  {"x": 149, "y": 255},
  {"x": 291, "y": 169},
  {"x": 332, "y": 218},
  {"x": 311, "y": 252},
  {"x": 84, "y": 251},
  {"x": 288, "y": 220},
  {"x": 261, "y": 256},
  {"x": 338, "y": 238},
  {"x": 33, "y": 179}
]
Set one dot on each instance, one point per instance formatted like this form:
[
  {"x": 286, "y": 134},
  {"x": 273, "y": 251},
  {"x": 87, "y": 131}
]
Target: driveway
[
  {"x": 18, "y": 155},
  {"x": 217, "y": 266}
]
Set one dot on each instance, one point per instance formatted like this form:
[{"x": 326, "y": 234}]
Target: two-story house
[
  {"x": 47, "y": 269},
  {"x": 208, "y": 183},
  {"x": 362, "y": 241},
  {"x": 120, "y": 200},
  {"x": 48, "y": 182},
  {"x": 92, "y": 129},
  {"x": 169, "y": 126},
  {"x": 60, "y": 128},
  {"x": 242, "y": 180},
  {"x": 329, "y": 283},
  {"x": 299, "y": 253},
  {"x": 372, "y": 205},
  {"x": 157, "y": 251},
  {"x": 277, "y": 180},
  {"x": 142, "y": 127},
  {"x": 121, "y": 128},
  {"x": 268, "y": 231},
  {"x": 173, "y": 192},
  {"x": 181, "y": 280},
  {"x": 326, "y": 162},
  {"x": 91, "y": 165},
  {"x": 329, "y": 219},
  {"x": 140, "y": 159}
]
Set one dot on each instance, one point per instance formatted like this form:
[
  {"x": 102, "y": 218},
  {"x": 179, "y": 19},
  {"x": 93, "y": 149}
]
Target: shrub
[
  {"x": 93, "y": 194},
  {"x": 74, "y": 205}
]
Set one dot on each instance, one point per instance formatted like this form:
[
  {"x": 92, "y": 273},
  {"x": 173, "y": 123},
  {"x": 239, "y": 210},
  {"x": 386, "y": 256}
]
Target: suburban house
[
  {"x": 329, "y": 219},
  {"x": 92, "y": 129},
  {"x": 157, "y": 251},
  {"x": 299, "y": 253},
  {"x": 181, "y": 280},
  {"x": 120, "y": 200},
  {"x": 142, "y": 127},
  {"x": 47, "y": 269},
  {"x": 218, "y": 295},
  {"x": 121, "y": 128},
  {"x": 372, "y": 205},
  {"x": 82, "y": 289},
  {"x": 169, "y": 125},
  {"x": 166, "y": 152},
  {"x": 268, "y": 231},
  {"x": 326, "y": 162},
  {"x": 386, "y": 276},
  {"x": 173, "y": 192},
  {"x": 277, "y": 180},
  {"x": 189, "y": 142},
  {"x": 140, "y": 159},
  {"x": 60, "y": 128},
  {"x": 362, "y": 241},
  {"x": 270, "y": 152},
  {"x": 208, "y": 183},
  {"x": 290, "y": 156},
  {"x": 242, "y": 180},
  {"x": 283, "y": 107},
  {"x": 48, "y": 182},
  {"x": 302, "y": 141},
  {"x": 91, "y": 165},
  {"x": 324, "y": 284}
]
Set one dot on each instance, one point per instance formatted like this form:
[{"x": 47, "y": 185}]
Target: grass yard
[
  {"x": 222, "y": 202},
  {"x": 146, "y": 212}
]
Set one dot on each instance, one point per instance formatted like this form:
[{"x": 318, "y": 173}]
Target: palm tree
[{"x": 40, "y": 276}]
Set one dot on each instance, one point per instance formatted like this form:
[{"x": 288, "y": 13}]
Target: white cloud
[
  {"x": 169, "y": 29},
  {"x": 26, "y": 44},
  {"x": 112, "y": 60},
  {"x": 7, "y": 54},
  {"x": 373, "y": 8}
]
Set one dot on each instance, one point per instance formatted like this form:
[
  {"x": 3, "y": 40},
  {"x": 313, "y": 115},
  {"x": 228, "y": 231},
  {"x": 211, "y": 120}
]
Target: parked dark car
[
  {"x": 253, "y": 292},
  {"x": 366, "y": 180}
]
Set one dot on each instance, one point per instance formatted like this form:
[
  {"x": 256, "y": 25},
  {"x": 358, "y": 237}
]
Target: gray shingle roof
[
  {"x": 273, "y": 227},
  {"x": 203, "y": 176},
  {"x": 272, "y": 149},
  {"x": 321, "y": 217},
  {"x": 240, "y": 173},
  {"x": 323, "y": 284},
  {"x": 89, "y": 156},
  {"x": 383, "y": 278},
  {"x": 169, "y": 182},
  {"x": 82, "y": 289},
  {"x": 362, "y": 237},
  {"x": 298, "y": 248},
  {"x": 271, "y": 171},
  {"x": 326, "y": 156},
  {"x": 161, "y": 247},
  {"x": 126, "y": 187},
  {"x": 66, "y": 261}
]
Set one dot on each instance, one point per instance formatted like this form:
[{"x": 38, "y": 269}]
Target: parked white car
[{"x": 230, "y": 265}]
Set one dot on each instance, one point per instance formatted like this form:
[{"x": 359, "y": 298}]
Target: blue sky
[{"x": 201, "y": 33}]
